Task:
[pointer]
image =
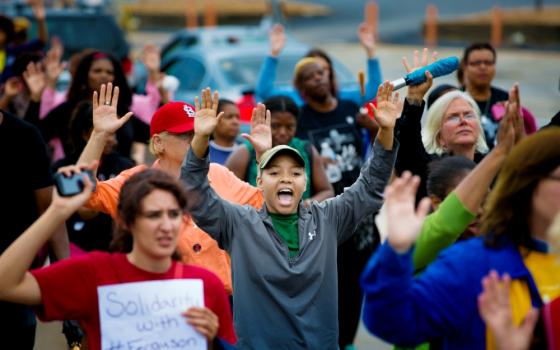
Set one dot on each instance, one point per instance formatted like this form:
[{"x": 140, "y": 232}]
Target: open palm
[
  {"x": 403, "y": 221},
  {"x": 261, "y": 133},
  {"x": 105, "y": 103},
  {"x": 366, "y": 34},
  {"x": 387, "y": 111},
  {"x": 495, "y": 309},
  {"x": 417, "y": 92},
  {"x": 207, "y": 116},
  {"x": 35, "y": 79},
  {"x": 277, "y": 39}
]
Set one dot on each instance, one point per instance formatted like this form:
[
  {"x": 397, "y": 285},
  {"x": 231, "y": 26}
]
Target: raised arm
[
  {"x": 267, "y": 74},
  {"x": 366, "y": 35},
  {"x": 413, "y": 155},
  {"x": 38, "y": 8},
  {"x": 393, "y": 298},
  {"x": 210, "y": 212},
  {"x": 144, "y": 106},
  {"x": 365, "y": 195},
  {"x": 18, "y": 285},
  {"x": 105, "y": 122},
  {"x": 53, "y": 68},
  {"x": 444, "y": 226}
]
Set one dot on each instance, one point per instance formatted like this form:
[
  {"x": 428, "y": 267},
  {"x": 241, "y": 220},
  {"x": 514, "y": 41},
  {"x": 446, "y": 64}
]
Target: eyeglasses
[
  {"x": 456, "y": 118},
  {"x": 481, "y": 62}
]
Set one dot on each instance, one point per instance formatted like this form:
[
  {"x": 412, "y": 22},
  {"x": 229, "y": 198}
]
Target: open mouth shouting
[{"x": 285, "y": 197}]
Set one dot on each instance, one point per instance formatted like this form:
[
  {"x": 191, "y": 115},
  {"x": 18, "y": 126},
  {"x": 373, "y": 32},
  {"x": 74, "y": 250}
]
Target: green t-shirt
[
  {"x": 287, "y": 227},
  {"x": 441, "y": 229}
]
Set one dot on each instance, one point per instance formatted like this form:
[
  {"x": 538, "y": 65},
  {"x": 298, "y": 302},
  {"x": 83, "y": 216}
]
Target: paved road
[{"x": 49, "y": 337}]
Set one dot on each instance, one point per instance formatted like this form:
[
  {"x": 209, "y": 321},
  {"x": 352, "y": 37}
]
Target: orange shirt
[{"x": 195, "y": 246}]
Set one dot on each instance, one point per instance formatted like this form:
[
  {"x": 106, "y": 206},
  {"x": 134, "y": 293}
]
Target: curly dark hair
[
  {"x": 80, "y": 90},
  {"x": 132, "y": 193}
]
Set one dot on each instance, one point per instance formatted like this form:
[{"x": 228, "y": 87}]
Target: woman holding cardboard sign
[{"x": 150, "y": 211}]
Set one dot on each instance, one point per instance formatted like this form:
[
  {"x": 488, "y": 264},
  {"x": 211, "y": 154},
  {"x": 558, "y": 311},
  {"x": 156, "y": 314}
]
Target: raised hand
[
  {"x": 387, "y": 111},
  {"x": 367, "y": 38},
  {"x": 206, "y": 117},
  {"x": 507, "y": 133},
  {"x": 105, "y": 119},
  {"x": 513, "y": 110},
  {"x": 204, "y": 321},
  {"x": 151, "y": 57},
  {"x": 68, "y": 205},
  {"x": 403, "y": 221},
  {"x": 38, "y": 8},
  {"x": 53, "y": 62},
  {"x": 417, "y": 92},
  {"x": 35, "y": 80},
  {"x": 277, "y": 39},
  {"x": 261, "y": 133},
  {"x": 495, "y": 309},
  {"x": 12, "y": 87}
]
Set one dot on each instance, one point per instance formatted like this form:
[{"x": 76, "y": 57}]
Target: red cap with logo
[{"x": 174, "y": 117}]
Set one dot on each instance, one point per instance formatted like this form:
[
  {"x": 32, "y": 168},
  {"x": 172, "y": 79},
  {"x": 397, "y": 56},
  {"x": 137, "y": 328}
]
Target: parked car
[
  {"x": 80, "y": 28},
  {"x": 229, "y": 59}
]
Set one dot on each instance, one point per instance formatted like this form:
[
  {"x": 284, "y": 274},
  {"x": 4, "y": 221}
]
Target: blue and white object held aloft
[{"x": 438, "y": 68}]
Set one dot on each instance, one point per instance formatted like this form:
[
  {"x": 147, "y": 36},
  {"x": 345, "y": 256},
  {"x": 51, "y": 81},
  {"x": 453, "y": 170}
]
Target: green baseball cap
[{"x": 280, "y": 149}]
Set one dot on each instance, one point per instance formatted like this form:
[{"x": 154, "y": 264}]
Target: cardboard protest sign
[{"x": 147, "y": 315}]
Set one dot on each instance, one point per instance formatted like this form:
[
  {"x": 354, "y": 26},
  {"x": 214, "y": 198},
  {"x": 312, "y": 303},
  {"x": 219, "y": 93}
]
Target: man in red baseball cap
[
  {"x": 174, "y": 117},
  {"x": 171, "y": 131}
]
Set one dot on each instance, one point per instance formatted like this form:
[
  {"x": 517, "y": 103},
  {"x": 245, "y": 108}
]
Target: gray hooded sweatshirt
[{"x": 282, "y": 302}]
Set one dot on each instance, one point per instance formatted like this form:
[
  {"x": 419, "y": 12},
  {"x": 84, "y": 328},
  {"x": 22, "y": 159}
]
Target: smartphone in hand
[{"x": 68, "y": 186}]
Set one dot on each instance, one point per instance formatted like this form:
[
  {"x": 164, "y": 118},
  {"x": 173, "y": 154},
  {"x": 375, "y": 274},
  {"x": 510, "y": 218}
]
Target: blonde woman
[{"x": 453, "y": 126}]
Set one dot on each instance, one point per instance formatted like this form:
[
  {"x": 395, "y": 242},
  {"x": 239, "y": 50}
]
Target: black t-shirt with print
[
  {"x": 488, "y": 120},
  {"x": 336, "y": 135}
]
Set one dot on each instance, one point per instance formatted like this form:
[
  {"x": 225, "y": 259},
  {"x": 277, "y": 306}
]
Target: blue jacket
[
  {"x": 442, "y": 302},
  {"x": 265, "y": 84}
]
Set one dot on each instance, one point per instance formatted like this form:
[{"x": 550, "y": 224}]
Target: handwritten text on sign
[{"x": 147, "y": 315}]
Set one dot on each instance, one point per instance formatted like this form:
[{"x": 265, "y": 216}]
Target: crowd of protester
[{"x": 438, "y": 235}]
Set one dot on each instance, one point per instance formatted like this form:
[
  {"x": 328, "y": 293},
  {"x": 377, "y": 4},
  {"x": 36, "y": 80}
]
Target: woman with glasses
[{"x": 453, "y": 127}]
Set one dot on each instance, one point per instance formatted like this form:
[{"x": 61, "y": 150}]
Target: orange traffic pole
[
  {"x": 430, "y": 35},
  {"x": 191, "y": 14},
  {"x": 210, "y": 14},
  {"x": 371, "y": 13},
  {"x": 496, "y": 31}
]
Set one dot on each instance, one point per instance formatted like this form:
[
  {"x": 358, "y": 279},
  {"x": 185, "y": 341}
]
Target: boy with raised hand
[{"x": 284, "y": 256}]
